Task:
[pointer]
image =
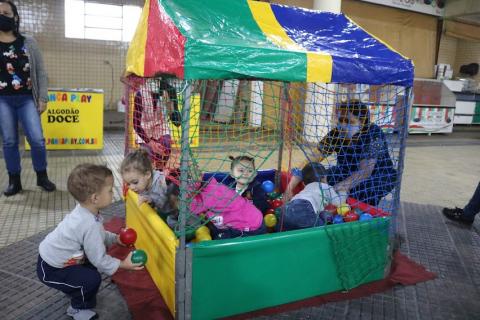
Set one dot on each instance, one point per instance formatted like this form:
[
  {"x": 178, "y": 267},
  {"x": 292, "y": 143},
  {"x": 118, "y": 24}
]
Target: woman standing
[{"x": 23, "y": 97}]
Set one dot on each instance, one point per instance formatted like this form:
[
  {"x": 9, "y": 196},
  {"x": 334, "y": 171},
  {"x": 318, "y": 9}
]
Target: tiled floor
[
  {"x": 439, "y": 170},
  {"x": 451, "y": 251},
  {"x": 33, "y": 210},
  {"x": 22, "y": 296}
]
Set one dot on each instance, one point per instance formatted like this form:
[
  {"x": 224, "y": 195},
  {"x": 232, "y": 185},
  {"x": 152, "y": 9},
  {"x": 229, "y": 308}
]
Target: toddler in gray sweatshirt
[{"x": 72, "y": 256}]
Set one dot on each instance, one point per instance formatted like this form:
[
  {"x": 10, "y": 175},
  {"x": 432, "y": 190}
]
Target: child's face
[
  {"x": 137, "y": 181},
  {"x": 104, "y": 197},
  {"x": 243, "y": 172}
]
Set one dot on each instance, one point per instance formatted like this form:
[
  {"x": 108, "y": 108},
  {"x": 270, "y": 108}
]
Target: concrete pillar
[{"x": 328, "y": 5}]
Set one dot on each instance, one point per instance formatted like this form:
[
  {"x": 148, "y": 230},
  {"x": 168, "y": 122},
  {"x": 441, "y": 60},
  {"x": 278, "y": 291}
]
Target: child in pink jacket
[{"x": 231, "y": 215}]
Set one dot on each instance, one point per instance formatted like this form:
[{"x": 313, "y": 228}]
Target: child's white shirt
[{"x": 318, "y": 194}]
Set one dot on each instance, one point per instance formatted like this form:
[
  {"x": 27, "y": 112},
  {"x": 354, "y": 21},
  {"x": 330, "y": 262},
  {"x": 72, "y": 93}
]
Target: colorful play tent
[
  {"x": 260, "y": 42},
  {"x": 213, "y": 39}
]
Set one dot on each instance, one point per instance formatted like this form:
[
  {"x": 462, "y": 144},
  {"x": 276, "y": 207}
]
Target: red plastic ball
[
  {"x": 277, "y": 203},
  {"x": 331, "y": 208},
  {"x": 128, "y": 236},
  {"x": 272, "y": 211},
  {"x": 350, "y": 216}
]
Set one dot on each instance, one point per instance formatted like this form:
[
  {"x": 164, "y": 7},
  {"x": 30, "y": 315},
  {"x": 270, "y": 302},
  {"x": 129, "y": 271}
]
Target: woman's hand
[
  {"x": 41, "y": 106},
  {"x": 364, "y": 172},
  {"x": 343, "y": 186}
]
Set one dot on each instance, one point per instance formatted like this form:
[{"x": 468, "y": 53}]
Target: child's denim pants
[{"x": 299, "y": 214}]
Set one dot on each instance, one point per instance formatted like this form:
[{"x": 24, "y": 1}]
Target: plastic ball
[
  {"x": 270, "y": 211},
  {"x": 350, "y": 216},
  {"x": 273, "y": 195},
  {"x": 203, "y": 237},
  {"x": 366, "y": 217},
  {"x": 201, "y": 231},
  {"x": 327, "y": 216},
  {"x": 277, "y": 203},
  {"x": 337, "y": 219},
  {"x": 268, "y": 186},
  {"x": 270, "y": 220},
  {"x": 139, "y": 256},
  {"x": 358, "y": 211},
  {"x": 331, "y": 208},
  {"x": 343, "y": 209},
  {"x": 278, "y": 212},
  {"x": 128, "y": 236}
]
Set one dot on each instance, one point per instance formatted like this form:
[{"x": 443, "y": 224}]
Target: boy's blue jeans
[
  {"x": 473, "y": 206},
  {"x": 21, "y": 108},
  {"x": 299, "y": 214}
]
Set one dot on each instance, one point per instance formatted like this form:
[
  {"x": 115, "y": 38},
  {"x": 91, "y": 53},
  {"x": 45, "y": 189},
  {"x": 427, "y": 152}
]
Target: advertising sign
[{"x": 73, "y": 120}]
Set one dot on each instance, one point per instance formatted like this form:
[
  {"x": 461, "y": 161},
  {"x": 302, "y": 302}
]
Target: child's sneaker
[
  {"x": 456, "y": 214},
  {"x": 81, "y": 314}
]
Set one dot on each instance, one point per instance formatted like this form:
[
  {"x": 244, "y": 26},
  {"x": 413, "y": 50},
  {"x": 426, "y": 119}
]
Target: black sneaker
[{"x": 456, "y": 214}]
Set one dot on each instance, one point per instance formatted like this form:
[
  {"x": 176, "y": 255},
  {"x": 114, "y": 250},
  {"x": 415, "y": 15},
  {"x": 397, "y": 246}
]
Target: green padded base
[{"x": 235, "y": 276}]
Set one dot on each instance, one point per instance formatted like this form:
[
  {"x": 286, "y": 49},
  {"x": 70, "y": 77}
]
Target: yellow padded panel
[{"x": 158, "y": 241}]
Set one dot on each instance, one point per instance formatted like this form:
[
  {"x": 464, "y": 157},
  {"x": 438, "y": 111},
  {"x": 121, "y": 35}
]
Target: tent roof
[{"x": 244, "y": 39}]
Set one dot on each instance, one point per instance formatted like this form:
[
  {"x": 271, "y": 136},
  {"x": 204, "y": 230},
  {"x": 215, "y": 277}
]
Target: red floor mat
[
  {"x": 142, "y": 296},
  {"x": 145, "y": 302},
  {"x": 404, "y": 271}
]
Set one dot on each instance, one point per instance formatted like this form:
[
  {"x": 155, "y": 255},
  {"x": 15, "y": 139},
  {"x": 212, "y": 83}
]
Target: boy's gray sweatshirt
[{"x": 80, "y": 231}]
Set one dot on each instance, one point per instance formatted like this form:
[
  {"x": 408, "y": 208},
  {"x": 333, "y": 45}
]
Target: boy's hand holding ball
[{"x": 129, "y": 265}]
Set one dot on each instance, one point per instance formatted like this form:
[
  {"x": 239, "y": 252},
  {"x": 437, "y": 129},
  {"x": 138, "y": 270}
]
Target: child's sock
[{"x": 81, "y": 314}]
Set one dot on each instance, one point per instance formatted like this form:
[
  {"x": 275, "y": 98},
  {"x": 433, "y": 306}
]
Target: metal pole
[
  {"x": 284, "y": 103},
  {"x": 402, "y": 135},
  {"x": 180, "y": 260},
  {"x": 402, "y": 139}
]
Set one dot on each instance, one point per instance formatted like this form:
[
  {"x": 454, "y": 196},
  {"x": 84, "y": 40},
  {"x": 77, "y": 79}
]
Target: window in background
[{"x": 89, "y": 20}]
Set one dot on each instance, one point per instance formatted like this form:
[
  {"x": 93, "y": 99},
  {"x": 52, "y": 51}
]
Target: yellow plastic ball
[
  {"x": 270, "y": 220},
  {"x": 343, "y": 209},
  {"x": 203, "y": 237},
  {"x": 203, "y": 230}
]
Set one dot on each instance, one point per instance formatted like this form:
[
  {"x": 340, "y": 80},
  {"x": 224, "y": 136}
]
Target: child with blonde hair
[{"x": 151, "y": 185}]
